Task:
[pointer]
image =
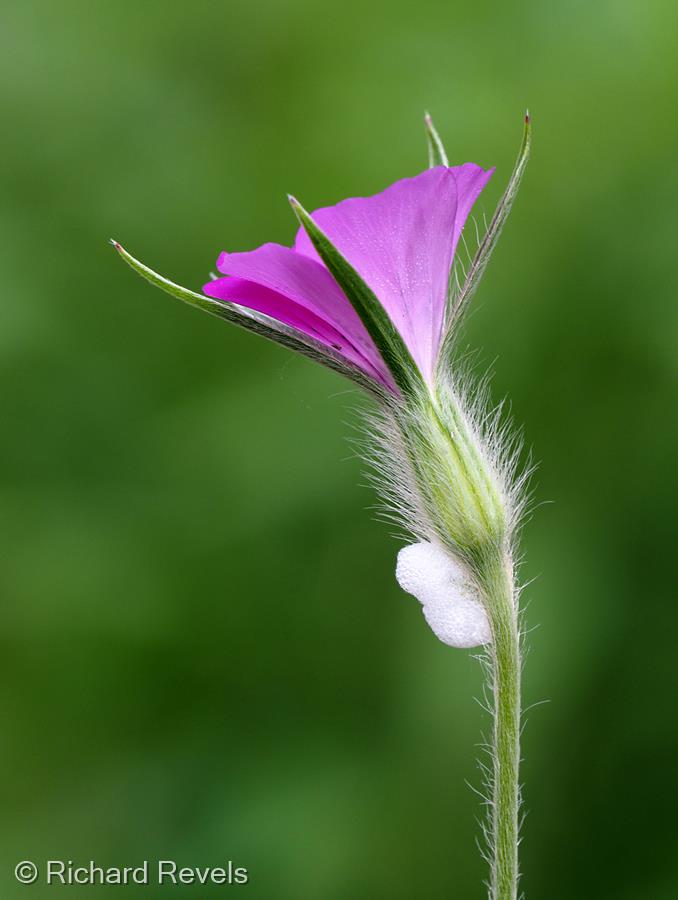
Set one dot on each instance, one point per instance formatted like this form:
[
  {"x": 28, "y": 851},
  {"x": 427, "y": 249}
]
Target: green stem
[{"x": 506, "y": 665}]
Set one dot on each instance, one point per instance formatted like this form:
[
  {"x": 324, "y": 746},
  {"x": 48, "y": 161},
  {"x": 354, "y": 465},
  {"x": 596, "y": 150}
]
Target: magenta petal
[
  {"x": 471, "y": 180},
  {"x": 305, "y": 282},
  {"x": 297, "y": 277},
  {"x": 402, "y": 243}
]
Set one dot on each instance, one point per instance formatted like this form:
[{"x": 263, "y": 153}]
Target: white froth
[{"x": 448, "y": 596}]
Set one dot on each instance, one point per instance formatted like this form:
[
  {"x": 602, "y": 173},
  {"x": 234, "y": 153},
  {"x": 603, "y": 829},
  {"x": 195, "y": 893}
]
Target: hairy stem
[{"x": 506, "y": 665}]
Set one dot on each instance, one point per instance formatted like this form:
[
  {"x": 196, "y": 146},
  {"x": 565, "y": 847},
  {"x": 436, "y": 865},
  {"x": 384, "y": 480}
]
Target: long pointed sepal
[
  {"x": 460, "y": 300},
  {"x": 258, "y": 323},
  {"x": 436, "y": 151},
  {"x": 373, "y": 315}
]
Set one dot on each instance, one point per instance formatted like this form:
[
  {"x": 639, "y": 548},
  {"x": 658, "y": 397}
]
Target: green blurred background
[{"x": 205, "y": 655}]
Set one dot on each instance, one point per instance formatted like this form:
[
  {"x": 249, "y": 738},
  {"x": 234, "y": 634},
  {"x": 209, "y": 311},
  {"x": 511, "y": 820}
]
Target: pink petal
[
  {"x": 471, "y": 180},
  {"x": 301, "y": 293},
  {"x": 402, "y": 243}
]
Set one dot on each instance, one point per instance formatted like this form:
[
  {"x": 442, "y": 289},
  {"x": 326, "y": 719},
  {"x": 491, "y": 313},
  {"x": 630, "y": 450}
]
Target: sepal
[
  {"x": 374, "y": 317},
  {"x": 436, "y": 151},
  {"x": 259, "y": 324},
  {"x": 459, "y": 300}
]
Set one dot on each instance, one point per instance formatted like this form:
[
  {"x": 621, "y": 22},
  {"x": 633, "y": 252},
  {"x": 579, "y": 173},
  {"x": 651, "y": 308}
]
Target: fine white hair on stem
[
  {"x": 448, "y": 472},
  {"x": 487, "y": 748}
]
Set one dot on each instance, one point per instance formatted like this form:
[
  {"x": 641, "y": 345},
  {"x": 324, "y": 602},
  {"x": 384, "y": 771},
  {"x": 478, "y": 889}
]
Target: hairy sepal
[
  {"x": 459, "y": 488},
  {"x": 436, "y": 150},
  {"x": 373, "y": 315},
  {"x": 459, "y": 299},
  {"x": 258, "y": 323},
  {"x": 446, "y": 467}
]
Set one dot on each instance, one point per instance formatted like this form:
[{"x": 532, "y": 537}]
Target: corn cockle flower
[
  {"x": 400, "y": 242},
  {"x": 369, "y": 288}
]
